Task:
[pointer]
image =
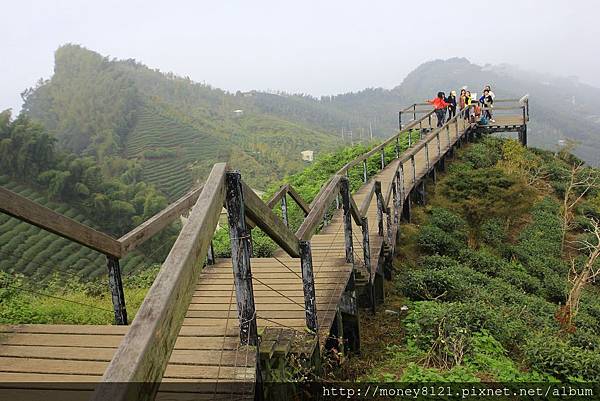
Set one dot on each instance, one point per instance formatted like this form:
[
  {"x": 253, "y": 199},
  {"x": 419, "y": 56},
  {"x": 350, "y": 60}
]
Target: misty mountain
[{"x": 120, "y": 111}]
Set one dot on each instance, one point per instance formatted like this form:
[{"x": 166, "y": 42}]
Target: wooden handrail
[
  {"x": 382, "y": 145},
  {"x": 287, "y": 189},
  {"x": 364, "y": 206},
  {"x": 269, "y": 222},
  {"x": 318, "y": 209},
  {"x": 33, "y": 213},
  {"x": 298, "y": 199},
  {"x": 143, "y": 354},
  {"x": 277, "y": 196},
  {"x": 159, "y": 221}
]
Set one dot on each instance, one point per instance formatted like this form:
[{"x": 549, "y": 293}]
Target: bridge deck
[{"x": 207, "y": 348}]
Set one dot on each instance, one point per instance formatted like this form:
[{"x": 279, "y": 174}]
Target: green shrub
[
  {"x": 447, "y": 221},
  {"x": 547, "y": 353},
  {"x": 448, "y": 284},
  {"x": 434, "y": 240}
]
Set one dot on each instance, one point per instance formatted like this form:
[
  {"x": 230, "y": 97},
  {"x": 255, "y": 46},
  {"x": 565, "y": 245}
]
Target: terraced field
[
  {"x": 39, "y": 254},
  {"x": 172, "y": 175}
]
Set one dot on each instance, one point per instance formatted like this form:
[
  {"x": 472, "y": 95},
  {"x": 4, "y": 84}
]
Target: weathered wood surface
[
  {"x": 27, "y": 210},
  {"x": 145, "y": 351}
]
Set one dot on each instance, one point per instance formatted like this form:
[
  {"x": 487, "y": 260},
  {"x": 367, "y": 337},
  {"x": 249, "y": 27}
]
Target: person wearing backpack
[
  {"x": 451, "y": 100},
  {"x": 487, "y": 102},
  {"x": 439, "y": 105}
]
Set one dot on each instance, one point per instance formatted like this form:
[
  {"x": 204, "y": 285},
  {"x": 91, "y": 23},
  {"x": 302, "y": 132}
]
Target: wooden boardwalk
[{"x": 208, "y": 348}]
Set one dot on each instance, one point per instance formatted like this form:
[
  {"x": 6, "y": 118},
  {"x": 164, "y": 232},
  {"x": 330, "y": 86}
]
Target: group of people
[{"x": 465, "y": 103}]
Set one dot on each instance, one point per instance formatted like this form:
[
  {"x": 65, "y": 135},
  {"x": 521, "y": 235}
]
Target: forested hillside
[{"x": 120, "y": 111}]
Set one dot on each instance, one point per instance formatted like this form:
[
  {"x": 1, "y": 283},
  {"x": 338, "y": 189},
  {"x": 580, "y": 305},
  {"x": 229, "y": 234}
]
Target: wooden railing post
[
  {"x": 396, "y": 196},
  {"x": 427, "y": 155},
  {"x": 367, "y": 258},
  {"x": 429, "y": 121},
  {"x": 439, "y": 143},
  {"x": 116, "y": 290},
  {"x": 410, "y": 137},
  {"x": 448, "y": 131},
  {"x": 414, "y": 111},
  {"x": 284, "y": 210},
  {"x": 379, "y": 208},
  {"x": 210, "y": 256},
  {"x": 398, "y": 146},
  {"x": 240, "y": 258},
  {"x": 400, "y": 121},
  {"x": 345, "y": 191},
  {"x": 382, "y": 158},
  {"x": 414, "y": 168},
  {"x": 365, "y": 177},
  {"x": 402, "y": 187},
  {"x": 308, "y": 286}
]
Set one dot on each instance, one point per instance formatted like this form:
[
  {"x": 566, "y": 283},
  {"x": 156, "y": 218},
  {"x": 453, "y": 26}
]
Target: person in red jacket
[{"x": 440, "y": 105}]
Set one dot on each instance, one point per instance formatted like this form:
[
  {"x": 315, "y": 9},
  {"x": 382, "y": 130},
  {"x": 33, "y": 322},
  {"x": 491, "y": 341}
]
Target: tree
[
  {"x": 581, "y": 181},
  {"x": 580, "y": 277}
]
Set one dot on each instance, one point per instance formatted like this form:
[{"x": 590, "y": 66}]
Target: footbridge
[{"x": 212, "y": 328}]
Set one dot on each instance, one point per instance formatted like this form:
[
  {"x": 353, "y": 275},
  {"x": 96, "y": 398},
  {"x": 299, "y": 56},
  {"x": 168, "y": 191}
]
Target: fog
[{"x": 316, "y": 47}]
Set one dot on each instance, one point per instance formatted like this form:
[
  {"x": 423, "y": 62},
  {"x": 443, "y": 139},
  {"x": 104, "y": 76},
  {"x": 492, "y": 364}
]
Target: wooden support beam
[
  {"x": 240, "y": 256},
  {"x": 367, "y": 258},
  {"x": 380, "y": 208},
  {"x": 210, "y": 256},
  {"x": 308, "y": 286},
  {"x": 158, "y": 222},
  {"x": 284, "y": 211},
  {"x": 116, "y": 290},
  {"x": 345, "y": 192},
  {"x": 298, "y": 199},
  {"x": 26, "y": 210},
  {"x": 145, "y": 350},
  {"x": 406, "y": 206},
  {"x": 420, "y": 192},
  {"x": 269, "y": 222}
]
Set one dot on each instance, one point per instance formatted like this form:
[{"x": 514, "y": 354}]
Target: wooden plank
[
  {"x": 26, "y": 210},
  {"x": 64, "y": 329},
  {"x": 314, "y": 218},
  {"x": 269, "y": 222},
  {"x": 145, "y": 350},
  {"x": 159, "y": 221},
  {"x": 179, "y": 356}
]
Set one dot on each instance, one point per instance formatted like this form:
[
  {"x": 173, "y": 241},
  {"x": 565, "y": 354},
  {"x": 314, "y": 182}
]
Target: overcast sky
[{"x": 317, "y": 47}]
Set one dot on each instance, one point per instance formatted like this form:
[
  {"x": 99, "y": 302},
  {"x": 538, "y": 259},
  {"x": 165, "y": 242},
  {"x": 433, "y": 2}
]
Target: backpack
[{"x": 484, "y": 120}]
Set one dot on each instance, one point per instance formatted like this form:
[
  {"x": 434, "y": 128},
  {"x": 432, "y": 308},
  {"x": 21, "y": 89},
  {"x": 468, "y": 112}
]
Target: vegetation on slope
[
  {"x": 122, "y": 110},
  {"x": 484, "y": 274}
]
